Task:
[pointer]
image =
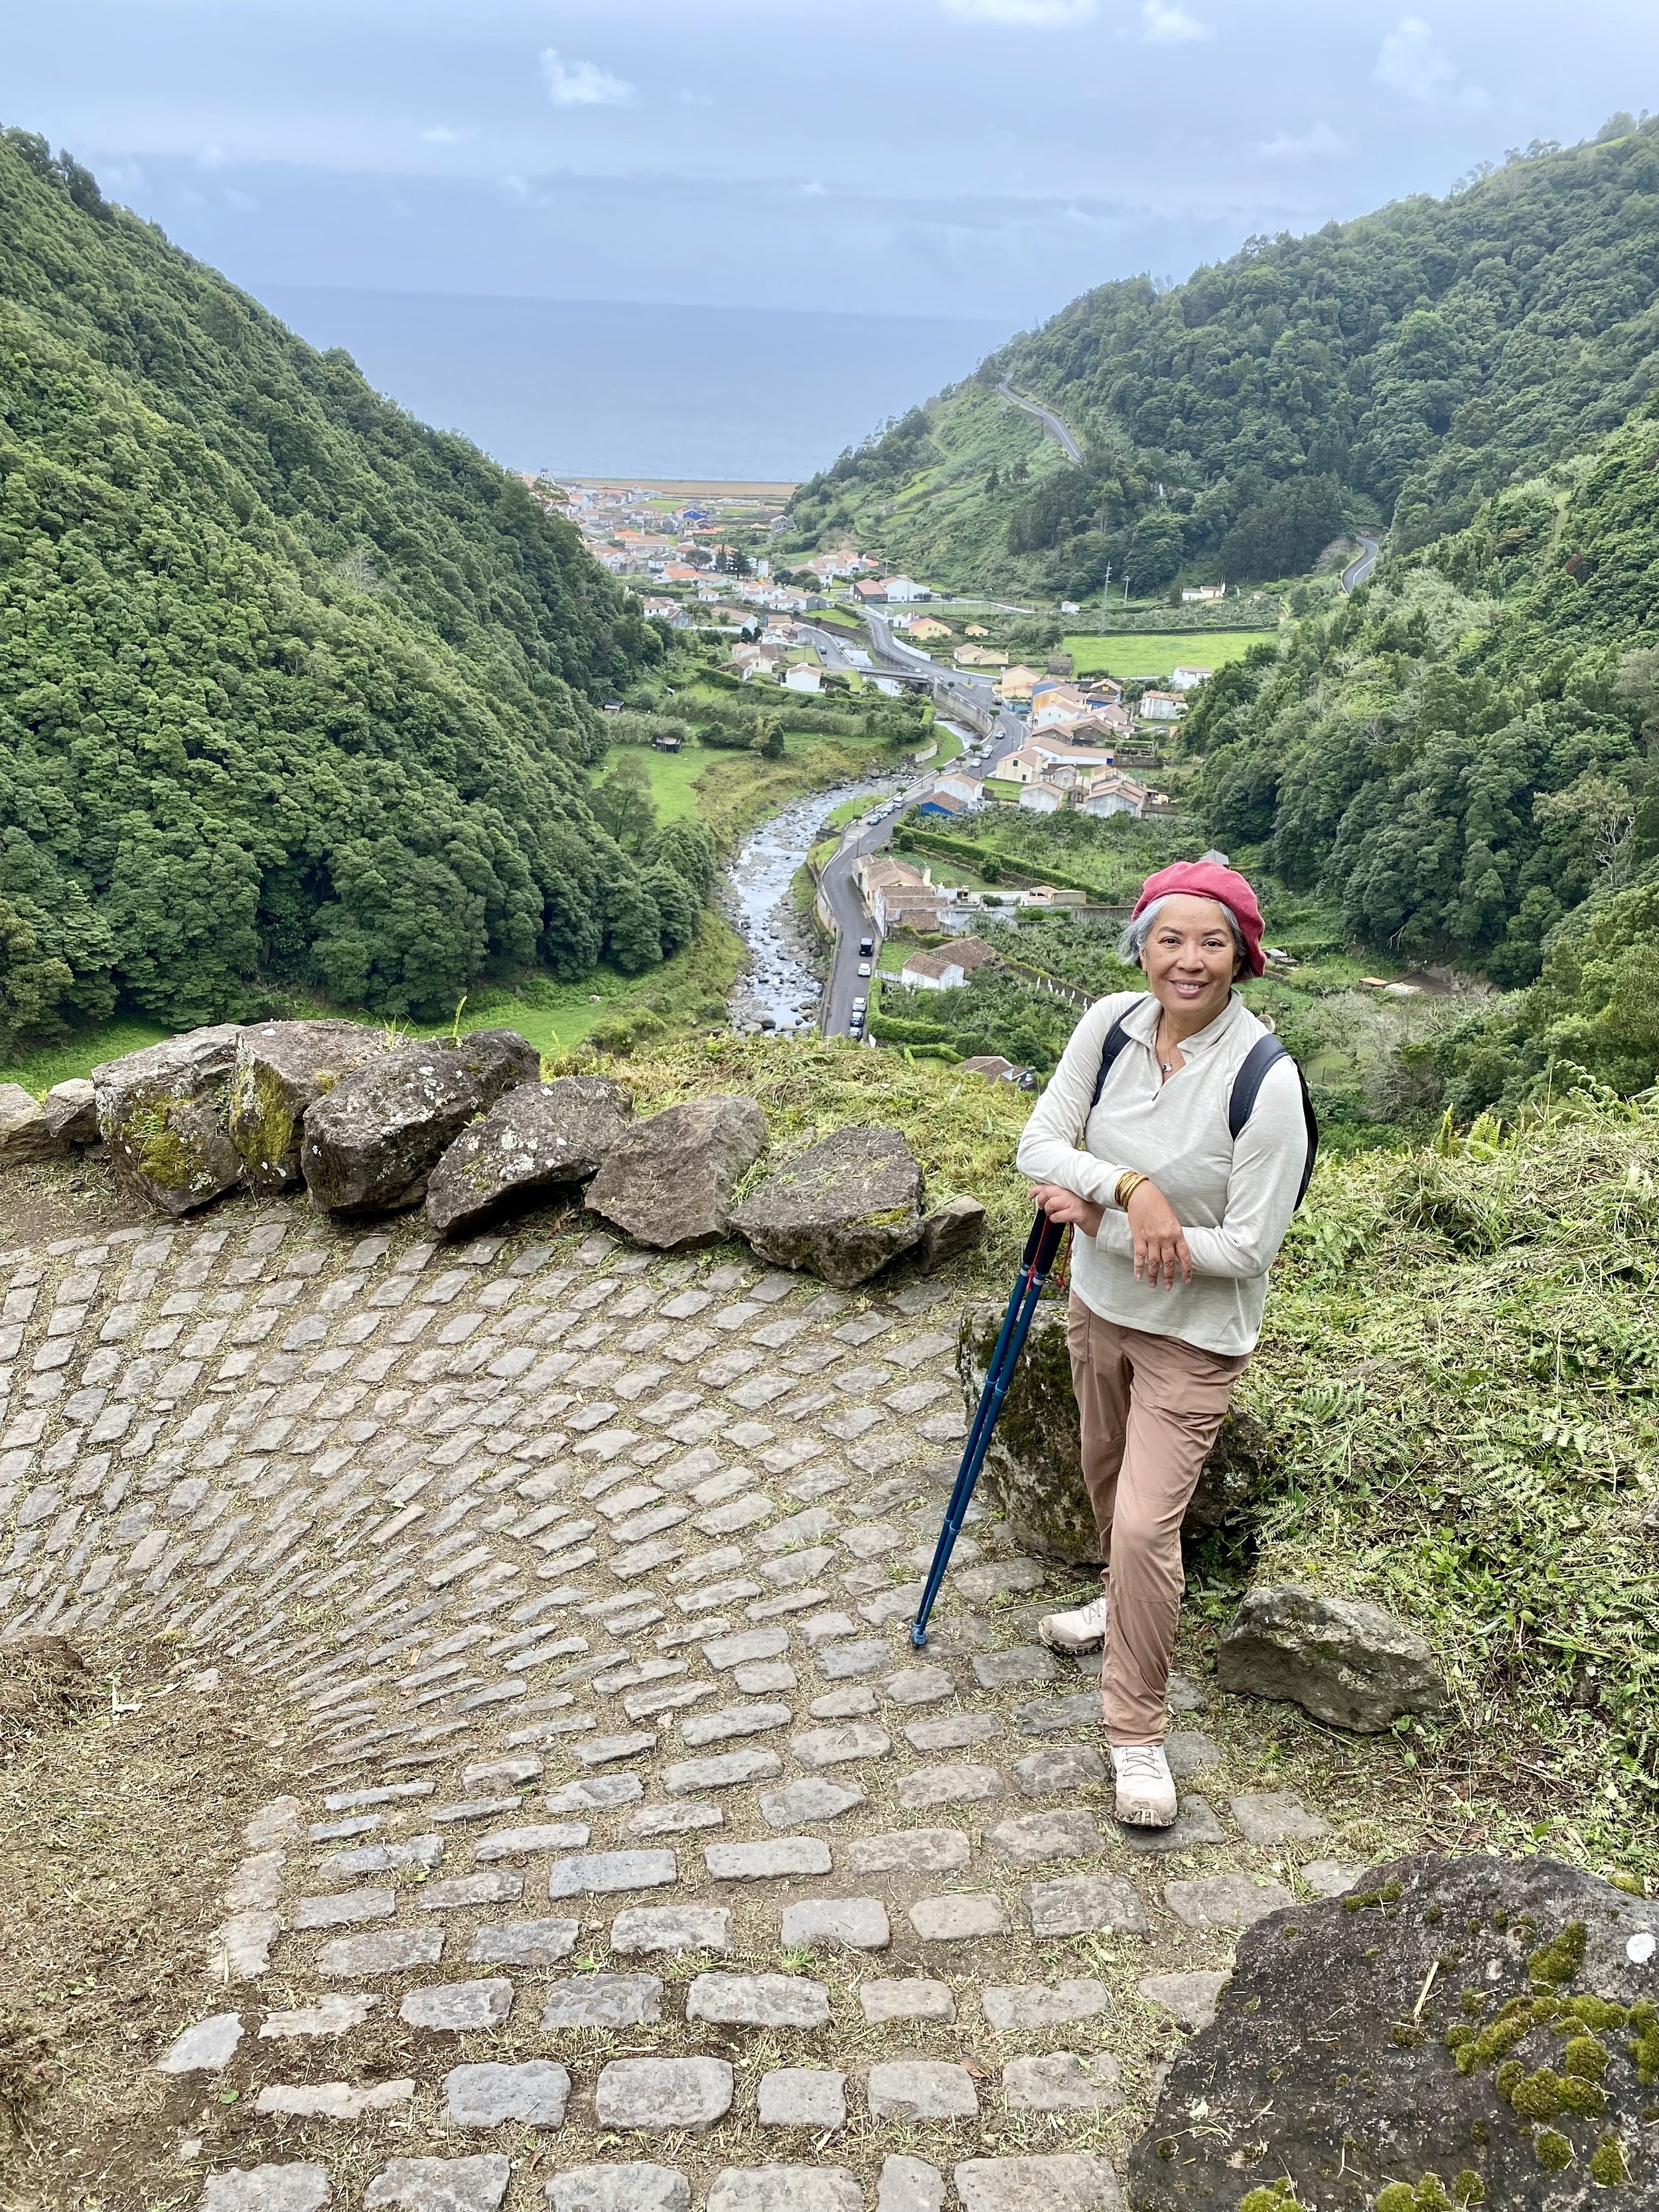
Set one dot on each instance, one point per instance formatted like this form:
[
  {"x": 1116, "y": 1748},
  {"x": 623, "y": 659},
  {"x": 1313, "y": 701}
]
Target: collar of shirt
[{"x": 1141, "y": 1024}]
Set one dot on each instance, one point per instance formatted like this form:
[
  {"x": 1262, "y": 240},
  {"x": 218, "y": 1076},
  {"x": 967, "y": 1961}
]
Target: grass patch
[
  {"x": 79, "y": 1054},
  {"x": 674, "y": 781},
  {"x": 1155, "y": 653}
]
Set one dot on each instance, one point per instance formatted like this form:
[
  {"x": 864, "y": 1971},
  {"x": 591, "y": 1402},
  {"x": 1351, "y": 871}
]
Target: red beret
[{"x": 1209, "y": 879}]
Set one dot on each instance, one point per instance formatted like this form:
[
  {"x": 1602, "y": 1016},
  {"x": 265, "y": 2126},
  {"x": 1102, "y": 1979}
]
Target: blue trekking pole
[{"x": 1041, "y": 1248}]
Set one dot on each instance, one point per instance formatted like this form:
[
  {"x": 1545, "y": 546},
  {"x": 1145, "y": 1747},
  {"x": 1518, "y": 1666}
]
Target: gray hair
[{"x": 1133, "y": 943}]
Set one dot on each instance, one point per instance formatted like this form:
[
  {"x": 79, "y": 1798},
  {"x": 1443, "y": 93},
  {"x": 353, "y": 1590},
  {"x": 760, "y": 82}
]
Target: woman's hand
[
  {"x": 1160, "y": 1241},
  {"x": 1065, "y": 1206}
]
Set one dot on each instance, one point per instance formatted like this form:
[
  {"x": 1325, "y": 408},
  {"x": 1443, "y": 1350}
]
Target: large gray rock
[
  {"x": 25, "y": 1132},
  {"x": 371, "y": 1142},
  {"x": 164, "y": 1115},
  {"x": 670, "y": 1181},
  {"x": 281, "y": 1068},
  {"x": 541, "y": 1137},
  {"x": 1034, "y": 1468},
  {"x": 1348, "y": 1663},
  {"x": 845, "y": 1208},
  {"x": 1440, "y": 1990},
  {"x": 71, "y": 1111}
]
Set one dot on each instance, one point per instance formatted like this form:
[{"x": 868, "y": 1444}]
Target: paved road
[
  {"x": 1050, "y": 422},
  {"x": 950, "y": 687},
  {"x": 1359, "y": 572}
]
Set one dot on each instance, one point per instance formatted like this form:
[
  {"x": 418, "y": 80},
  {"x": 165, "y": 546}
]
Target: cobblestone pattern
[{"x": 584, "y": 1576}]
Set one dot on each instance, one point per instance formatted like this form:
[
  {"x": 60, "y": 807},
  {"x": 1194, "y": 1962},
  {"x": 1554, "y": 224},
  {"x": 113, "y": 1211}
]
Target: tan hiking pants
[{"x": 1150, "y": 1407}]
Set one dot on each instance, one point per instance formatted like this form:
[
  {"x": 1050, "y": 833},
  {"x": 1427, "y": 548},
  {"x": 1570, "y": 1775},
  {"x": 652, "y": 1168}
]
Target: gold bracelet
[{"x": 1127, "y": 1184}]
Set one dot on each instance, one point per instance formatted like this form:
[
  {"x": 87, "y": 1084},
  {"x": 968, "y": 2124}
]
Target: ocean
[{"x": 592, "y": 388}]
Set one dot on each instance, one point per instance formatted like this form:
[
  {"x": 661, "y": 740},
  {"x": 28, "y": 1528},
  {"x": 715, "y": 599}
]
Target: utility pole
[{"x": 1106, "y": 593}]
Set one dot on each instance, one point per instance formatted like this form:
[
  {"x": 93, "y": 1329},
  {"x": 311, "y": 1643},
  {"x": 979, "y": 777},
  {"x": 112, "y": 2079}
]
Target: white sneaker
[
  {"x": 1146, "y": 1787},
  {"x": 1082, "y": 1630}
]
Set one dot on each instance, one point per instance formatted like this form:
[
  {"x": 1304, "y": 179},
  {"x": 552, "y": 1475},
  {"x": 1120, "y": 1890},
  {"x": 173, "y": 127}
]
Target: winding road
[
  {"x": 970, "y": 695},
  {"x": 1050, "y": 422},
  {"x": 1359, "y": 571}
]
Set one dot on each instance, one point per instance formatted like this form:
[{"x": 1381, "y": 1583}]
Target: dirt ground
[{"x": 118, "y": 1825}]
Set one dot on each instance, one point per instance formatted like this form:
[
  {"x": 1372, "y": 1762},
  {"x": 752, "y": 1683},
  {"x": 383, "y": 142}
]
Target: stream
[{"x": 779, "y": 989}]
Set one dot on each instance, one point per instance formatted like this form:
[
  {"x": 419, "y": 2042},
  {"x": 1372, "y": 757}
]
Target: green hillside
[
  {"x": 1396, "y": 369},
  {"x": 294, "y": 691},
  {"x": 1463, "y": 758}
]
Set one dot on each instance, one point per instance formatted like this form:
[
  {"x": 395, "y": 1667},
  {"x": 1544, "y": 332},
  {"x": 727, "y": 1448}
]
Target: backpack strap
[
  {"x": 1116, "y": 1038},
  {"x": 1266, "y": 1052}
]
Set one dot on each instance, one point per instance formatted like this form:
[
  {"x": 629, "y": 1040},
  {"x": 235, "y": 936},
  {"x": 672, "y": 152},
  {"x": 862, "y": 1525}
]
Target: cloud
[
  {"x": 689, "y": 99},
  {"x": 442, "y": 135},
  {"x": 1286, "y": 147},
  {"x": 1166, "y": 23},
  {"x": 581, "y": 84},
  {"x": 1411, "y": 61},
  {"x": 1034, "y": 15}
]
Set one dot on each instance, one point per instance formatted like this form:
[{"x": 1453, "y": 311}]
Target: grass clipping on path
[
  {"x": 121, "y": 1812},
  {"x": 1457, "y": 1378}
]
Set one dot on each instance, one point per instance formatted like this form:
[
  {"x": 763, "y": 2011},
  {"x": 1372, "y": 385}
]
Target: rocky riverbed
[{"x": 780, "y": 989}]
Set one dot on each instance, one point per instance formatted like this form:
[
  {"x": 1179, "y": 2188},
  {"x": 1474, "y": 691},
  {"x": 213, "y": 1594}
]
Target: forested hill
[
  {"x": 1398, "y": 368},
  {"x": 292, "y": 689},
  {"x": 1465, "y": 759}
]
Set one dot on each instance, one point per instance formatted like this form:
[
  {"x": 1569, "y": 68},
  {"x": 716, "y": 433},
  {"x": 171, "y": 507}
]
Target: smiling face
[{"x": 1190, "y": 960}]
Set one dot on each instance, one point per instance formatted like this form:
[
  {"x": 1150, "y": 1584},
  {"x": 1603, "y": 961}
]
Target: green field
[{"x": 1155, "y": 653}]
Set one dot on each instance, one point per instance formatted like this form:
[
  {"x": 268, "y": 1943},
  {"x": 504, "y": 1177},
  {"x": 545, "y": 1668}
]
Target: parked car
[
  {"x": 866, "y": 948},
  {"x": 859, "y": 1006},
  {"x": 864, "y": 967}
]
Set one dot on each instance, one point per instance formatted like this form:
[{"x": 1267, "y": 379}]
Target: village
[{"x": 696, "y": 566}]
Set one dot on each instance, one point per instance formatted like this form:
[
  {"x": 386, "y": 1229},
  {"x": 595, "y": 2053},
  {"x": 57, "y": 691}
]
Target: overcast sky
[{"x": 955, "y": 157}]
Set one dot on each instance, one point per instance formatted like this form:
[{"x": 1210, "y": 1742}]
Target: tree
[
  {"x": 768, "y": 740},
  {"x": 622, "y": 800},
  {"x": 633, "y": 937},
  {"x": 679, "y": 910},
  {"x": 32, "y": 984},
  {"x": 688, "y": 848}
]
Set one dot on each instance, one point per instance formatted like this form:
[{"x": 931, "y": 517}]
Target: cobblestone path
[{"x": 638, "y": 1856}]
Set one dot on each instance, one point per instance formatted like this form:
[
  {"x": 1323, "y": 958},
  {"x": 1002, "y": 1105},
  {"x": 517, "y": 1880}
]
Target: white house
[
  {"x": 1196, "y": 594},
  {"x": 903, "y": 589},
  {"x": 1162, "y": 706},
  {"x": 955, "y": 783},
  {"x": 1115, "y": 794},
  {"x": 1188, "y": 679},
  {"x": 1061, "y": 705},
  {"x": 945, "y": 970},
  {"x": 803, "y": 676},
  {"x": 1042, "y": 799}
]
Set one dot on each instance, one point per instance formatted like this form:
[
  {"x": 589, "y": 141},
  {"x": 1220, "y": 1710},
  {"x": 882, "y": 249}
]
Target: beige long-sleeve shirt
[{"x": 1233, "y": 1201}]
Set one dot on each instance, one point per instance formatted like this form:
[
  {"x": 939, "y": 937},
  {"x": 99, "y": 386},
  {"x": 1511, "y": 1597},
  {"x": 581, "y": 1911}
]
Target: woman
[{"x": 1174, "y": 1225}]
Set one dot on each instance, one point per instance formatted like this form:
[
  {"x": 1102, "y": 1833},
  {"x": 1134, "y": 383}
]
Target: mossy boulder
[
  {"x": 671, "y": 1181},
  {"x": 1034, "y": 1469},
  {"x": 1349, "y": 1663},
  {"x": 371, "y": 1143},
  {"x": 164, "y": 1112},
  {"x": 844, "y": 1209},
  {"x": 1451, "y": 2031},
  {"x": 541, "y": 1138},
  {"x": 282, "y": 1069}
]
